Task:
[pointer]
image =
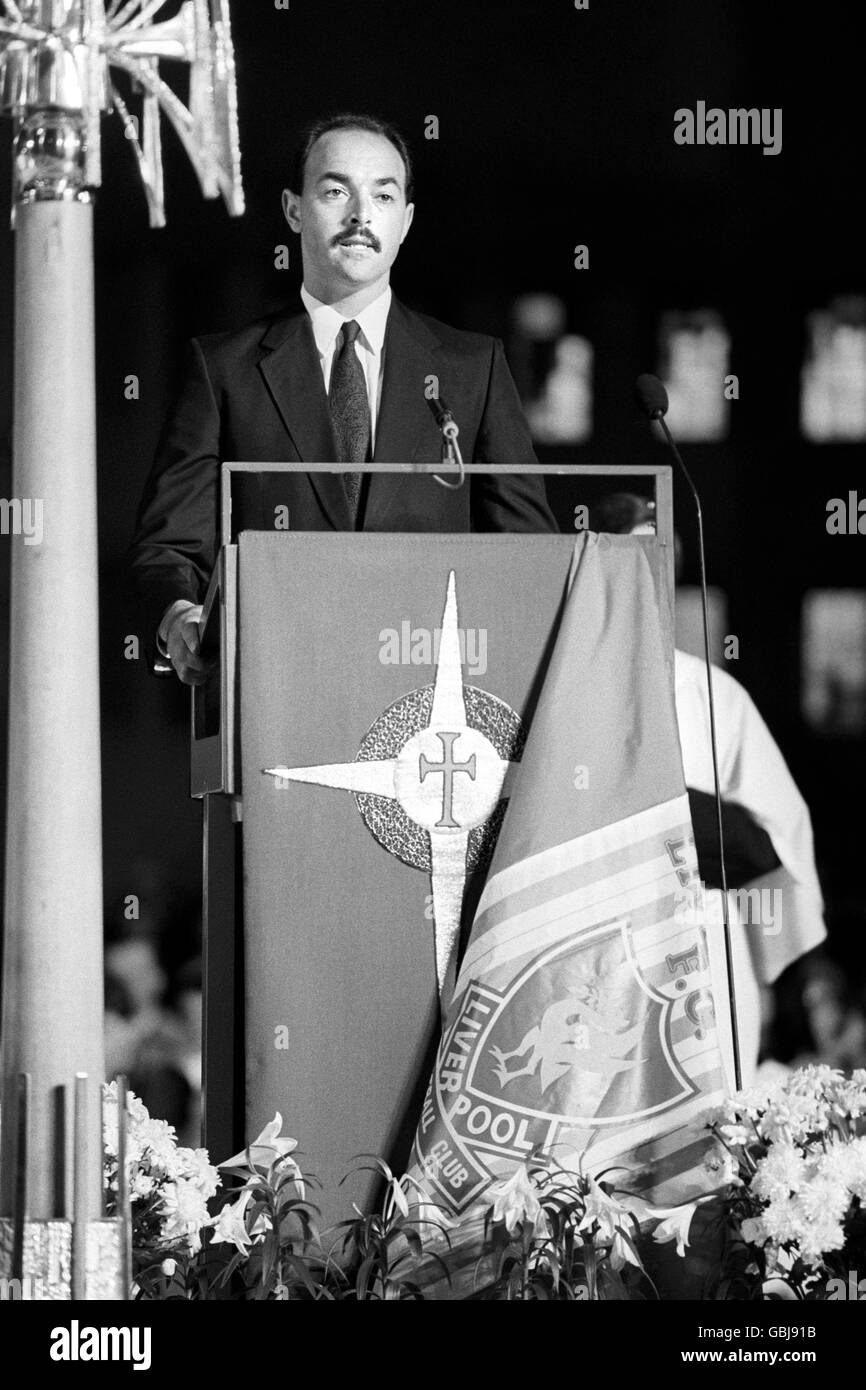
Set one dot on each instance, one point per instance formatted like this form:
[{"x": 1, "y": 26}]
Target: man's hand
[{"x": 183, "y": 644}]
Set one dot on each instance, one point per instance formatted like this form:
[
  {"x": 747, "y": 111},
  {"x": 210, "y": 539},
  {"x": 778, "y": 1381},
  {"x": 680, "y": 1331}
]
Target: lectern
[{"x": 347, "y": 821}]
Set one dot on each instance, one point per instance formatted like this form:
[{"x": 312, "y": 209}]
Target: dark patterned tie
[{"x": 350, "y": 410}]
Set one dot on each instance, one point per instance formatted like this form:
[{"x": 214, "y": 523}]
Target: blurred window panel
[
  {"x": 689, "y": 623},
  {"x": 562, "y": 411},
  {"x": 695, "y": 351},
  {"x": 553, "y": 370},
  {"x": 834, "y": 660},
  {"x": 833, "y": 379}
]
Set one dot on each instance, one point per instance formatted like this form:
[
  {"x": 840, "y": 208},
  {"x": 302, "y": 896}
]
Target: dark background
[{"x": 556, "y": 128}]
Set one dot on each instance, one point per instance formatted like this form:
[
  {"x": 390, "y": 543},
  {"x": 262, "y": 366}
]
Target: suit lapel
[
  {"x": 403, "y": 413},
  {"x": 291, "y": 370}
]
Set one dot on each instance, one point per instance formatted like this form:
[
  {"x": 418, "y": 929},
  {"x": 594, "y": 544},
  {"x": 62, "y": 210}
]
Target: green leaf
[{"x": 362, "y": 1278}]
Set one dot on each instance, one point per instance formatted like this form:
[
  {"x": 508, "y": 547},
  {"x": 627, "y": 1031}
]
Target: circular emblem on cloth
[{"x": 444, "y": 779}]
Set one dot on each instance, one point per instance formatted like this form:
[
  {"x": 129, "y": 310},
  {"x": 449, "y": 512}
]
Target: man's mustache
[{"x": 366, "y": 237}]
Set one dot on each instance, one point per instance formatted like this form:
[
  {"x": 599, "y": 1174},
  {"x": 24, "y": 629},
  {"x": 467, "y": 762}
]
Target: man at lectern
[{"x": 346, "y": 376}]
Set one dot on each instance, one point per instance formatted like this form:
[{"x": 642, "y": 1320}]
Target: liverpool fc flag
[{"x": 583, "y": 1021}]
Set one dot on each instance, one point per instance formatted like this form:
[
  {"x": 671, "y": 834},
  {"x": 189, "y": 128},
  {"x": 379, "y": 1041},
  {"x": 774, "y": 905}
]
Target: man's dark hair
[{"x": 348, "y": 120}]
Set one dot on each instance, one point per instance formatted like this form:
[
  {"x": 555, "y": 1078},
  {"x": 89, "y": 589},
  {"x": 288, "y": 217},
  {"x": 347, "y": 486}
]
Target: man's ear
[
  {"x": 291, "y": 206},
  {"x": 407, "y": 221}
]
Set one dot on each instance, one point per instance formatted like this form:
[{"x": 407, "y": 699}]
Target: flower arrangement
[
  {"x": 798, "y": 1202},
  {"x": 169, "y": 1189},
  {"x": 263, "y": 1242},
  {"x": 789, "y": 1164}
]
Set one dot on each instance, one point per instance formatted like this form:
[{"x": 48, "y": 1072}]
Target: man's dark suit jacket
[{"x": 258, "y": 396}]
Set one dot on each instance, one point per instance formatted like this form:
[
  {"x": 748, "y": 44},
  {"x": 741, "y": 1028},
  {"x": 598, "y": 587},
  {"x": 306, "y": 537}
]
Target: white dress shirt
[{"x": 369, "y": 344}]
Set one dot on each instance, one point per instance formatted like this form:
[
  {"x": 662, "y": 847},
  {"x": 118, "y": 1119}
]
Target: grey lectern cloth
[{"x": 341, "y": 989}]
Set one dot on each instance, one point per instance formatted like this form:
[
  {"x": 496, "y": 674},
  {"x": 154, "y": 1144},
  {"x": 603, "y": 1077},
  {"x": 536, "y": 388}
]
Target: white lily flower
[
  {"x": 268, "y": 1150},
  {"x": 675, "y": 1225},
  {"x": 231, "y": 1226},
  {"x": 515, "y": 1201}
]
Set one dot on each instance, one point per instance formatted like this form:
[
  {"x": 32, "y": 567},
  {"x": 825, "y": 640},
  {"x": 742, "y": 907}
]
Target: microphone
[
  {"x": 652, "y": 398},
  {"x": 447, "y": 426}
]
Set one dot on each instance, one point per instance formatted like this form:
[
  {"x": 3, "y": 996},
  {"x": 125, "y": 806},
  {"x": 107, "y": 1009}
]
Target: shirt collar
[{"x": 327, "y": 321}]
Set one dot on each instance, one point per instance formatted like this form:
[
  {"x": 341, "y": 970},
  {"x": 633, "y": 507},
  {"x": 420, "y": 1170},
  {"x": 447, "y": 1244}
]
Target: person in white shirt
[{"x": 776, "y": 909}]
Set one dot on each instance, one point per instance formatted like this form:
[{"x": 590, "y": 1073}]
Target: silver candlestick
[{"x": 63, "y": 55}]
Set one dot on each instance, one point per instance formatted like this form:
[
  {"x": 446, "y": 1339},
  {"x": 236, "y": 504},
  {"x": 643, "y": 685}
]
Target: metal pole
[
  {"x": 55, "y": 62},
  {"x": 53, "y": 1004}
]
